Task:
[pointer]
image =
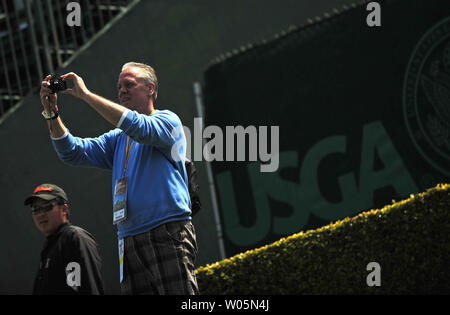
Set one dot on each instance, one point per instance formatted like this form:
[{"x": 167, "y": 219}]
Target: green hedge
[{"x": 409, "y": 239}]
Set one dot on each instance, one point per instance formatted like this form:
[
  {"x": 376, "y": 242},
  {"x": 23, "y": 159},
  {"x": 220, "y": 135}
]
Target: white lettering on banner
[{"x": 305, "y": 196}]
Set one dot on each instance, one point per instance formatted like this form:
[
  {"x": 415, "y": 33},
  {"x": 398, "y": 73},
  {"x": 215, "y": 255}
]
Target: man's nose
[{"x": 40, "y": 214}]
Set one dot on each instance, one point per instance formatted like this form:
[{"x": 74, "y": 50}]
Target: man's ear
[
  {"x": 152, "y": 89},
  {"x": 66, "y": 210}
]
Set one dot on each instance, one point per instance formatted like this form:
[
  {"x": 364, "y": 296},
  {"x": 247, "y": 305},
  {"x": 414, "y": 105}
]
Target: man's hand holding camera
[
  {"x": 51, "y": 85},
  {"x": 79, "y": 89},
  {"x": 48, "y": 99}
]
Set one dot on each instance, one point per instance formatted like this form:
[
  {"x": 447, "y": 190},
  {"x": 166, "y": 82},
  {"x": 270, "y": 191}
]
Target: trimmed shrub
[{"x": 408, "y": 239}]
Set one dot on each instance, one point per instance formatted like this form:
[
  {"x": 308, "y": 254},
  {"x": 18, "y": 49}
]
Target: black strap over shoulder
[{"x": 193, "y": 186}]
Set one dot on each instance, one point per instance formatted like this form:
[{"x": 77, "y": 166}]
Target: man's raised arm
[{"x": 109, "y": 110}]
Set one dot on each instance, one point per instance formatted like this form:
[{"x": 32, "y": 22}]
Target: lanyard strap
[
  {"x": 127, "y": 152},
  {"x": 128, "y": 149}
]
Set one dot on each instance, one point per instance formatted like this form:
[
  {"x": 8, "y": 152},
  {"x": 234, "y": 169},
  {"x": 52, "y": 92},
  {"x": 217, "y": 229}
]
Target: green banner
[{"x": 363, "y": 117}]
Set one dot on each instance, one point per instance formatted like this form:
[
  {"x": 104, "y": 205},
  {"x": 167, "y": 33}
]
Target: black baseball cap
[{"x": 47, "y": 192}]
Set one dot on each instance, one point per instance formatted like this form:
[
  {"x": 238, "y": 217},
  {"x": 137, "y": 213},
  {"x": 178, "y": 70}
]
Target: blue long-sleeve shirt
[{"x": 157, "y": 178}]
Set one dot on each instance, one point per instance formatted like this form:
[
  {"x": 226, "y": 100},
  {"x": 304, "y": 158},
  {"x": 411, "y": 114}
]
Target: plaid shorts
[{"x": 161, "y": 261}]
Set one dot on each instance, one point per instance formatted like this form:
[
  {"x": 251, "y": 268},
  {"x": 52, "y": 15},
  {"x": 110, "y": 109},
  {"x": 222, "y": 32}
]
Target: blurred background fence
[{"x": 35, "y": 40}]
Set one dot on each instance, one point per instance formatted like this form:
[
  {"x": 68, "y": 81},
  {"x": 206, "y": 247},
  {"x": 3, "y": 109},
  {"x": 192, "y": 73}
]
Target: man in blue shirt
[{"x": 146, "y": 153}]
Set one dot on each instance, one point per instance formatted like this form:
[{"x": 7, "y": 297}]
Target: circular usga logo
[{"x": 426, "y": 96}]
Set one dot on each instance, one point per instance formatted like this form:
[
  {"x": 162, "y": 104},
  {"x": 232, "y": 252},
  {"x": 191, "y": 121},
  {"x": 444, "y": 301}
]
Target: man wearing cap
[{"x": 70, "y": 263}]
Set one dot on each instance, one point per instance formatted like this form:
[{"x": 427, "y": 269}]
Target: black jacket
[{"x": 69, "y": 244}]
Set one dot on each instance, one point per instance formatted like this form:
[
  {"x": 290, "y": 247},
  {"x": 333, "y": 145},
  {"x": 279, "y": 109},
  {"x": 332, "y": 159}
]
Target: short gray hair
[{"x": 146, "y": 73}]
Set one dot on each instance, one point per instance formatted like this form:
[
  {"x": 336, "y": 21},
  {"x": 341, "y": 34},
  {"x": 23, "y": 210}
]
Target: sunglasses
[{"x": 45, "y": 208}]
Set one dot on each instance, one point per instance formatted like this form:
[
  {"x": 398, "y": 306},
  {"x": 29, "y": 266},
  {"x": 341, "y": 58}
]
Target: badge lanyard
[
  {"x": 120, "y": 201},
  {"x": 121, "y": 188},
  {"x": 128, "y": 149},
  {"x": 127, "y": 155}
]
